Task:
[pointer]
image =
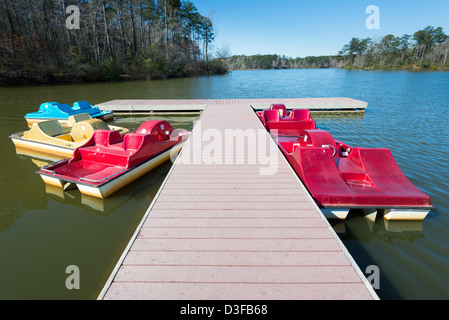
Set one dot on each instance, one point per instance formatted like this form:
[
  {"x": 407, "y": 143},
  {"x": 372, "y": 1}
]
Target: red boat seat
[
  {"x": 159, "y": 128},
  {"x": 290, "y": 125},
  {"x": 301, "y": 115},
  {"x": 383, "y": 171},
  {"x": 105, "y": 146},
  {"x": 106, "y": 138},
  {"x": 318, "y": 138},
  {"x": 270, "y": 115},
  {"x": 133, "y": 141},
  {"x": 280, "y": 107}
]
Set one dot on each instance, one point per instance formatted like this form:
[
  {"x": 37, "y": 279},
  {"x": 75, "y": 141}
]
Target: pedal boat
[
  {"x": 62, "y": 112},
  {"x": 50, "y": 138},
  {"x": 280, "y": 121},
  {"x": 340, "y": 178},
  {"x": 110, "y": 161}
]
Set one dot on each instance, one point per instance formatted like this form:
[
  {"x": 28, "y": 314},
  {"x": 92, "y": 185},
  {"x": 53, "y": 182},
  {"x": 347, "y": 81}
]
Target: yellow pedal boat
[{"x": 50, "y": 138}]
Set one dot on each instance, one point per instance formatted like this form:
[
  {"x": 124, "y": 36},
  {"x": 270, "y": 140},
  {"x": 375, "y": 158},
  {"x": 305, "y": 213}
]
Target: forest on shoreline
[
  {"x": 49, "y": 41},
  {"x": 426, "y": 49}
]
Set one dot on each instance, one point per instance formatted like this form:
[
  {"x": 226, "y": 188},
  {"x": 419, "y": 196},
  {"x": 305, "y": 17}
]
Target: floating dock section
[
  {"x": 198, "y": 105},
  {"x": 226, "y": 226}
]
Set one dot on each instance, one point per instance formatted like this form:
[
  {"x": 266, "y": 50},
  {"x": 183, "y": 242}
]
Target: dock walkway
[
  {"x": 338, "y": 104},
  {"x": 228, "y": 230}
]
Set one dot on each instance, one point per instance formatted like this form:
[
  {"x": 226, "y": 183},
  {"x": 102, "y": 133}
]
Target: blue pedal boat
[{"x": 62, "y": 112}]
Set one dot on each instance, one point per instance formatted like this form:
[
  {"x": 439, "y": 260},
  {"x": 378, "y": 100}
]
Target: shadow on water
[{"x": 359, "y": 233}]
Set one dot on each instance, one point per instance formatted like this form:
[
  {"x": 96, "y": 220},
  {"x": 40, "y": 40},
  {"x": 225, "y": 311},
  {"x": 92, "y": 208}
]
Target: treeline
[
  {"x": 119, "y": 39},
  {"x": 425, "y": 49},
  {"x": 274, "y": 61}
]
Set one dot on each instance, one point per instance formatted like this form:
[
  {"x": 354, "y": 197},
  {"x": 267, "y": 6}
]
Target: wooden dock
[
  {"x": 220, "y": 229},
  {"x": 198, "y": 105}
]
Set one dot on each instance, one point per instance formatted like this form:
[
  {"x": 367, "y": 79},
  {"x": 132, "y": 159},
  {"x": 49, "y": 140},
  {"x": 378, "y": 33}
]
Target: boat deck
[{"x": 224, "y": 226}]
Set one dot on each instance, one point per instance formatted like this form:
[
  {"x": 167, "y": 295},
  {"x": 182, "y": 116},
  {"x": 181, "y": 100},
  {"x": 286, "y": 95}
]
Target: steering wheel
[{"x": 332, "y": 147}]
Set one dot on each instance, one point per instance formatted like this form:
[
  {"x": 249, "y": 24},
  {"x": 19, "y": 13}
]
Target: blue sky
[{"x": 303, "y": 28}]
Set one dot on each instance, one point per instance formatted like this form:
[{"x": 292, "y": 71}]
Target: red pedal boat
[
  {"x": 108, "y": 161},
  {"x": 341, "y": 178},
  {"x": 277, "y": 120}
]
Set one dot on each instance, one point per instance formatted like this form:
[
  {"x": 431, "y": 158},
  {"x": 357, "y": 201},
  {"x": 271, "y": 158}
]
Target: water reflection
[
  {"x": 142, "y": 190},
  {"x": 358, "y": 227}
]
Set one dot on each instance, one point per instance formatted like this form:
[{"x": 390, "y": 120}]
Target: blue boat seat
[{"x": 79, "y": 105}]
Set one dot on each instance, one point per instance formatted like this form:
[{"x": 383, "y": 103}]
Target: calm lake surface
[{"x": 42, "y": 231}]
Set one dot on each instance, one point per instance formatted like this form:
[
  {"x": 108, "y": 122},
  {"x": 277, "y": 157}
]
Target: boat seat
[
  {"x": 133, "y": 141},
  {"x": 85, "y": 129},
  {"x": 291, "y": 125},
  {"x": 65, "y": 108},
  {"x": 43, "y": 108},
  {"x": 301, "y": 115},
  {"x": 270, "y": 115},
  {"x": 159, "y": 128},
  {"x": 77, "y": 118},
  {"x": 106, "y": 138},
  {"x": 318, "y": 138},
  {"x": 280, "y": 107},
  {"x": 105, "y": 146},
  {"x": 51, "y": 128},
  {"x": 49, "y": 131},
  {"x": 79, "y": 105}
]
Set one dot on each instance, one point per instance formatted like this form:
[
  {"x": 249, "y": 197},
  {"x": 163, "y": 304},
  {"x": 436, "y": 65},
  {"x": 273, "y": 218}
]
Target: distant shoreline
[
  {"x": 25, "y": 81},
  {"x": 417, "y": 69}
]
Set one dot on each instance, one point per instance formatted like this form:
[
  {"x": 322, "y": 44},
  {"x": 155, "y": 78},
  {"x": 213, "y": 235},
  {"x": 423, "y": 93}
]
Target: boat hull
[{"x": 42, "y": 148}]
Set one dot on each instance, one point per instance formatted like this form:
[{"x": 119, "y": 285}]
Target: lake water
[{"x": 43, "y": 231}]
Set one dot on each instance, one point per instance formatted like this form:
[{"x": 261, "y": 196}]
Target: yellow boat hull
[{"x": 31, "y": 148}]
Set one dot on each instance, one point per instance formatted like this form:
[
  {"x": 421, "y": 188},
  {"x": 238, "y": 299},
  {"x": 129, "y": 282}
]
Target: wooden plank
[
  {"x": 231, "y": 205},
  {"x": 238, "y": 291},
  {"x": 269, "y": 194},
  {"x": 230, "y": 245},
  {"x": 233, "y": 197},
  {"x": 236, "y": 258},
  {"x": 240, "y": 274},
  {"x": 269, "y": 223},
  {"x": 234, "y": 214}
]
